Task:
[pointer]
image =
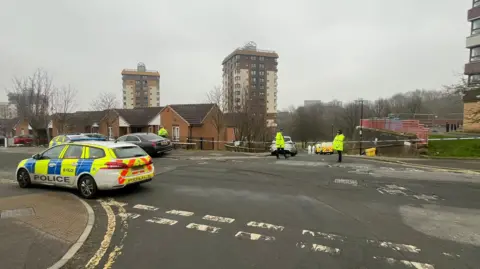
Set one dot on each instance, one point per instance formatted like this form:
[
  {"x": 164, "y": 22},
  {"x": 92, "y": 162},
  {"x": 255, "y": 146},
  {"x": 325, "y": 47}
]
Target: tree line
[{"x": 37, "y": 99}]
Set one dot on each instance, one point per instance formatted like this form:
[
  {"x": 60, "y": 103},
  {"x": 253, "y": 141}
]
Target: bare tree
[
  {"x": 31, "y": 97},
  {"x": 414, "y": 101},
  {"x": 217, "y": 97},
  {"x": 63, "y": 102},
  {"x": 380, "y": 108},
  {"x": 106, "y": 102}
]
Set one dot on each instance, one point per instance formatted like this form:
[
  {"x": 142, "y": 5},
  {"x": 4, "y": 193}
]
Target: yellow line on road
[
  {"x": 118, "y": 248},
  {"x": 95, "y": 260}
]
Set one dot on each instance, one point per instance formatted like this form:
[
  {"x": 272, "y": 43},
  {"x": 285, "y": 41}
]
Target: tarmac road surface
[{"x": 305, "y": 212}]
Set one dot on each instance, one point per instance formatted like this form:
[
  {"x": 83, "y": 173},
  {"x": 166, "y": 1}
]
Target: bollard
[{"x": 309, "y": 149}]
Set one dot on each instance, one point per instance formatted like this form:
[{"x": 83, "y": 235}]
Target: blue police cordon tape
[{"x": 356, "y": 141}]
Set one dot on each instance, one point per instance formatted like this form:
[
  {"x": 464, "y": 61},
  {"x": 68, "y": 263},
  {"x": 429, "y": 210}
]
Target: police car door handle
[
  {"x": 74, "y": 164},
  {"x": 51, "y": 164}
]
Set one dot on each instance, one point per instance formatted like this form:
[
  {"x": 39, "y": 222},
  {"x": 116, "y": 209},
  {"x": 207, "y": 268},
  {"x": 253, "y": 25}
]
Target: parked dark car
[{"x": 153, "y": 144}]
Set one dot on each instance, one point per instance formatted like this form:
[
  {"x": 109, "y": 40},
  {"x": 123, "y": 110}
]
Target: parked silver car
[{"x": 290, "y": 147}]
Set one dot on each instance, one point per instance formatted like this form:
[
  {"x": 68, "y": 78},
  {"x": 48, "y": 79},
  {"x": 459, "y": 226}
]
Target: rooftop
[{"x": 250, "y": 49}]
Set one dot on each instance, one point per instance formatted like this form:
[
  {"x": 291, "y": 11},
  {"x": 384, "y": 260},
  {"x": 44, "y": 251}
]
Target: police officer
[
  {"x": 280, "y": 144},
  {"x": 338, "y": 144},
  {"x": 162, "y": 132}
]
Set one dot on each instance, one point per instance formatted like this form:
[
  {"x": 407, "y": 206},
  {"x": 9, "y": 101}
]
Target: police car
[
  {"x": 88, "y": 166},
  {"x": 61, "y": 139}
]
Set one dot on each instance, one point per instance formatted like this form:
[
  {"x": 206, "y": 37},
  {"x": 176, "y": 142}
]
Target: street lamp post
[{"x": 361, "y": 126}]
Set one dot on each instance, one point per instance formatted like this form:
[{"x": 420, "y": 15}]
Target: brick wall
[
  {"x": 112, "y": 121},
  {"x": 471, "y": 122},
  {"x": 209, "y": 130},
  {"x": 22, "y": 127},
  {"x": 169, "y": 118}
]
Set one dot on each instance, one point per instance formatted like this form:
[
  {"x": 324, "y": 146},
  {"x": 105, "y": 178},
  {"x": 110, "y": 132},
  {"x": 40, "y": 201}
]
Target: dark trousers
[
  {"x": 339, "y": 156},
  {"x": 282, "y": 150}
]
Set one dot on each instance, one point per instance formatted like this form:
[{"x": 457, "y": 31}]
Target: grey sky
[{"x": 328, "y": 49}]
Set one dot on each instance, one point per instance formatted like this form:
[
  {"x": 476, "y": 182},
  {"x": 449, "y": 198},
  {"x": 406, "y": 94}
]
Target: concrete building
[
  {"x": 250, "y": 80},
  {"x": 7, "y": 110},
  {"x": 311, "y": 102},
  {"x": 471, "y": 121},
  {"x": 141, "y": 87}
]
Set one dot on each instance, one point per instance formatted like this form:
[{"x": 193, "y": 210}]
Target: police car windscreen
[{"x": 129, "y": 152}]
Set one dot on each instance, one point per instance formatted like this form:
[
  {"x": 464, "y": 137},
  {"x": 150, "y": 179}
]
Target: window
[
  {"x": 132, "y": 138},
  {"x": 237, "y": 92},
  {"x": 95, "y": 153},
  {"x": 261, "y": 58},
  {"x": 474, "y": 79},
  {"x": 254, "y": 72},
  {"x": 261, "y": 73},
  {"x": 475, "y": 54},
  {"x": 158, "y": 98},
  {"x": 261, "y": 66},
  {"x": 53, "y": 153},
  {"x": 237, "y": 71},
  {"x": 262, "y": 80},
  {"x": 129, "y": 152},
  {"x": 137, "y": 82},
  {"x": 237, "y": 57},
  {"x": 253, "y": 58},
  {"x": 237, "y": 85},
  {"x": 237, "y": 77},
  {"x": 73, "y": 152},
  {"x": 476, "y": 3},
  {"x": 254, "y": 65},
  {"x": 176, "y": 133},
  {"x": 476, "y": 27}
]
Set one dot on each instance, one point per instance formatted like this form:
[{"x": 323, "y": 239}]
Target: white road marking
[
  {"x": 180, "y": 213},
  {"x": 254, "y": 237},
  {"x": 399, "y": 247},
  {"x": 300, "y": 163},
  {"x": 346, "y": 181},
  {"x": 218, "y": 219},
  {"x": 410, "y": 264},
  {"x": 129, "y": 215},
  {"x": 450, "y": 255},
  {"x": 145, "y": 207},
  {"x": 162, "y": 221},
  {"x": 107, "y": 238},
  {"x": 327, "y": 236},
  {"x": 392, "y": 189},
  {"x": 320, "y": 248},
  {"x": 265, "y": 226},
  {"x": 426, "y": 197},
  {"x": 203, "y": 228}
]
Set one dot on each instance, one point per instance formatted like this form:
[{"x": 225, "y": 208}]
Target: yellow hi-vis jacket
[
  {"x": 338, "y": 142},
  {"x": 279, "y": 141},
  {"x": 162, "y": 132}
]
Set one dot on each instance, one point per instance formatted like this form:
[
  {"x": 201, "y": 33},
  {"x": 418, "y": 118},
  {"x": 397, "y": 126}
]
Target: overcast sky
[{"x": 327, "y": 49}]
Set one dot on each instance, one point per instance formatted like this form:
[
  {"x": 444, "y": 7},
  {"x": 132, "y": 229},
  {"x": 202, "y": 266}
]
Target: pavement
[
  {"x": 452, "y": 164},
  {"x": 238, "y": 211},
  {"x": 40, "y": 230}
]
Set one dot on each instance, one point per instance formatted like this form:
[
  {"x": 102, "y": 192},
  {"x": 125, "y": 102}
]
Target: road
[{"x": 304, "y": 212}]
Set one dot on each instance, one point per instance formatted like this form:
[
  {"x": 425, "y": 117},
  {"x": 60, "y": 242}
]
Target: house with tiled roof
[
  {"x": 193, "y": 122},
  {"x": 125, "y": 121},
  {"x": 114, "y": 123}
]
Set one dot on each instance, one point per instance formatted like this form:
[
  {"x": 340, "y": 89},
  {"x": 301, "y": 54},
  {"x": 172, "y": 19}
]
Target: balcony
[
  {"x": 472, "y": 68},
  {"x": 474, "y": 13},
  {"x": 473, "y": 41}
]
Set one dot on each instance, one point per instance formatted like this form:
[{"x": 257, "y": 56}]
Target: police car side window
[
  {"x": 53, "y": 153},
  {"x": 96, "y": 153},
  {"x": 73, "y": 152},
  {"x": 122, "y": 138}
]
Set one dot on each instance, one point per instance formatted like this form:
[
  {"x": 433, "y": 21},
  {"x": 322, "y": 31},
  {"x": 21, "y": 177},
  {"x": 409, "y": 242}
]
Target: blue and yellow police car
[{"x": 88, "y": 166}]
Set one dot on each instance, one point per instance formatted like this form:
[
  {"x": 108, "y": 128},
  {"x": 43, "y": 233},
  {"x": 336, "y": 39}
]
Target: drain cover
[{"x": 15, "y": 213}]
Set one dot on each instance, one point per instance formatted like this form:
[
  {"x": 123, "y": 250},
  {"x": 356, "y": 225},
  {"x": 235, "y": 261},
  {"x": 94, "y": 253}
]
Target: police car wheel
[
  {"x": 87, "y": 187},
  {"x": 23, "y": 178}
]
